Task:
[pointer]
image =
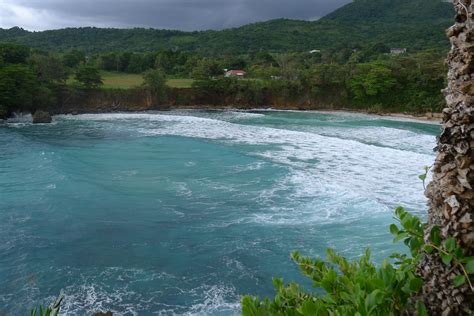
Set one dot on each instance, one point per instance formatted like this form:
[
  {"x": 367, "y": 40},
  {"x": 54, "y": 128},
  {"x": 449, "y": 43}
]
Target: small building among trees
[
  {"x": 234, "y": 73},
  {"x": 398, "y": 51}
]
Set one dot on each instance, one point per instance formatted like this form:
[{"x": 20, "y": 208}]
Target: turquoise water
[{"x": 183, "y": 212}]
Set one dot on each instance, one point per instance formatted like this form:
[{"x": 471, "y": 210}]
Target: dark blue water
[{"x": 184, "y": 212}]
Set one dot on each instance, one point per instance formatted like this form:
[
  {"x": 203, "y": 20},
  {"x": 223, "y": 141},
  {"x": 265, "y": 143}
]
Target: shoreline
[
  {"x": 432, "y": 118},
  {"x": 427, "y": 117}
]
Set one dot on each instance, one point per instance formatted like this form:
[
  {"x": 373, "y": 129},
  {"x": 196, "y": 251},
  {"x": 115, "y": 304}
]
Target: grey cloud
[{"x": 170, "y": 14}]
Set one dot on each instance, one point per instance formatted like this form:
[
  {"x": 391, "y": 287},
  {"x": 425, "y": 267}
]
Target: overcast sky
[{"x": 185, "y": 15}]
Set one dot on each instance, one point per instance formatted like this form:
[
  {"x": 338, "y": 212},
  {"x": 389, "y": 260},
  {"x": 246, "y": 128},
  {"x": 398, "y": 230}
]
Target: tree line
[
  {"x": 31, "y": 79},
  {"x": 378, "y": 83},
  {"x": 415, "y": 24},
  {"x": 367, "y": 78}
]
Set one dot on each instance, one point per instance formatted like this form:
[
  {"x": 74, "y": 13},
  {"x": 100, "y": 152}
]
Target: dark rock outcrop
[{"x": 42, "y": 117}]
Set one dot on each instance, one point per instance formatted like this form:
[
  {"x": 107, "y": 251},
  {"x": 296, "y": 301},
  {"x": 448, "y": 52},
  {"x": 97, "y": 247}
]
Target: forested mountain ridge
[
  {"x": 393, "y": 11},
  {"x": 414, "y": 24}
]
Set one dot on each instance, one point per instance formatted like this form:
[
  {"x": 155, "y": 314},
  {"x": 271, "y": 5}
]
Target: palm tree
[{"x": 451, "y": 194}]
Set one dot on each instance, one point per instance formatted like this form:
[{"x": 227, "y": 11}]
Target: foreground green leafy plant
[
  {"x": 449, "y": 251},
  {"x": 52, "y": 310},
  {"x": 360, "y": 287}
]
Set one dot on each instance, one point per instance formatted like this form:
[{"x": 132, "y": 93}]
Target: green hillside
[{"x": 415, "y": 24}]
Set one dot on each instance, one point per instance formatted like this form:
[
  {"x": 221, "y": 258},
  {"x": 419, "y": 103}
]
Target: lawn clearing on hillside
[
  {"x": 180, "y": 83},
  {"x": 119, "y": 80}
]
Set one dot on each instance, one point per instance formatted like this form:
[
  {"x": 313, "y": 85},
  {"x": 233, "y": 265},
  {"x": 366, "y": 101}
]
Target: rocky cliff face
[
  {"x": 451, "y": 194},
  {"x": 130, "y": 100}
]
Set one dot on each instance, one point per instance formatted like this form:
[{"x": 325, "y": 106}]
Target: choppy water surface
[{"x": 183, "y": 212}]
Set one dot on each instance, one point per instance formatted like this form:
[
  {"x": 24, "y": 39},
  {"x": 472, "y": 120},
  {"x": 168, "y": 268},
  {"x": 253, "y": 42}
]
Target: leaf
[
  {"x": 308, "y": 308},
  {"x": 428, "y": 249},
  {"x": 394, "y": 229},
  {"x": 435, "y": 235},
  {"x": 415, "y": 244},
  {"x": 416, "y": 284},
  {"x": 470, "y": 265},
  {"x": 373, "y": 299},
  {"x": 459, "y": 280},
  {"x": 58, "y": 302},
  {"x": 458, "y": 253},
  {"x": 400, "y": 236},
  {"x": 399, "y": 211},
  {"x": 421, "y": 308},
  {"x": 446, "y": 258},
  {"x": 277, "y": 283},
  {"x": 450, "y": 244},
  {"x": 422, "y": 177}
]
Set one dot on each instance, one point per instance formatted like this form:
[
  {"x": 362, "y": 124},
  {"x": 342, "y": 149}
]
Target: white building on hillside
[{"x": 398, "y": 51}]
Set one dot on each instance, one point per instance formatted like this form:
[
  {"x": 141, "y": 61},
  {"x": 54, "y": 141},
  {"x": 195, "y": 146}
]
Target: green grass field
[
  {"x": 180, "y": 83},
  {"x": 117, "y": 80}
]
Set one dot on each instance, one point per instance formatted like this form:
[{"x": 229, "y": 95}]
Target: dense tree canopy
[
  {"x": 74, "y": 58},
  {"x": 88, "y": 77},
  {"x": 13, "y": 53},
  {"x": 28, "y": 79},
  {"x": 371, "y": 81},
  {"x": 18, "y": 85},
  {"x": 49, "y": 69},
  {"x": 154, "y": 81},
  {"x": 414, "y": 24},
  {"x": 365, "y": 78}
]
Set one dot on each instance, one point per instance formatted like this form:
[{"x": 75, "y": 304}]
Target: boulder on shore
[{"x": 42, "y": 117}]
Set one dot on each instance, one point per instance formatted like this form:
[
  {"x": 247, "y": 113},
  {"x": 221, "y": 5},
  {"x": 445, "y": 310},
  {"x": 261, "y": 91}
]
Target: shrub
[{"x": 360, "y": 287}]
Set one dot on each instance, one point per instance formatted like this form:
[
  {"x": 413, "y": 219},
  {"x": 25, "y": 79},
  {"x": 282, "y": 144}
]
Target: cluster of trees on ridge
[
  {"x": 382, "y": 83},
  {"x": 26, "y": 79},
  {"x": 415, "y": 24},
  {"x": 353, "y": 70},
  {"x": 363, "y": 78},
  {"x": 31, "y": 80}
]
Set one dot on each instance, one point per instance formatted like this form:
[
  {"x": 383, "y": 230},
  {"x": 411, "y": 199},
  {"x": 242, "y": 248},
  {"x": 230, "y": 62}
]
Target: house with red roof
[{"x": 234, "y": 73}]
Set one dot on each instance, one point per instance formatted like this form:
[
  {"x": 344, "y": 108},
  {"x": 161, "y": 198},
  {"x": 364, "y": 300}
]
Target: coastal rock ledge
[{"x": 41, "y": 117}]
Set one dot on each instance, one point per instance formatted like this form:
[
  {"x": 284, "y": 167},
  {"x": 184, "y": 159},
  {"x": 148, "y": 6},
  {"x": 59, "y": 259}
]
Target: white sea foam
[
  {"x": 20, "y": 118},
  {"x": 229, "y": 115},
  {"x": 327, "y": 176},
  {"x": 338, "y": 115},
  {"x": 182, "y": 189},
  {"x": 383, "y": 136},
  {"x": 249, "y": 167},
  {"x": 89, "y": 296},
  {"x": 349, "y": 167},
  {"x": 216, "y": 301}
]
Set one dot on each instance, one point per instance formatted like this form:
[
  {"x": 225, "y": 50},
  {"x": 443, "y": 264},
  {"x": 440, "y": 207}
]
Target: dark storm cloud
[{"x": 170, "y": 14}]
